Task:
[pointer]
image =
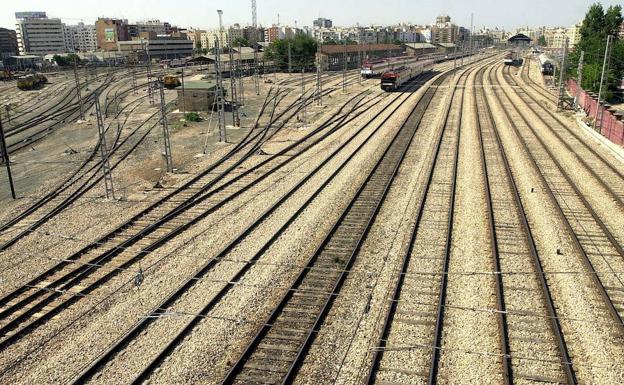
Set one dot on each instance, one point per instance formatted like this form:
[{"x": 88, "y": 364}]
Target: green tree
[
  {"x": 303, "y": 52},
  {"x": 597, "y": 25},
  {"x": 67, "y": 61},
  {"x": 542, "y": 41},
  {"x": 240, "y": 41}
]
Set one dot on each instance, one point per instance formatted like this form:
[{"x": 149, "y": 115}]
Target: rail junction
[{"x": 455, "y": 230}]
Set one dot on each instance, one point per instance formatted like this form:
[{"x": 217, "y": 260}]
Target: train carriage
[{"x": 392, "y": 80}]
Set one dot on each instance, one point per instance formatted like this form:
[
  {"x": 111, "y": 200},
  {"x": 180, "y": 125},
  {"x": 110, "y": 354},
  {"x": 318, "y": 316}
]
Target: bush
[{"x": 193, "y": 117}]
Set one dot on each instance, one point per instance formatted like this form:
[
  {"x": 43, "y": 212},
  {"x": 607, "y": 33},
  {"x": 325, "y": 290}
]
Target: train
[
  {"x": 546, "y": 65},
  {"x": 31, "y": 82},
  {"x": 403, "y": 72},
  {"x": 172, "y": 63},
  {"x": 512, "y": 58},
  {"x": 372, "y": 68}
]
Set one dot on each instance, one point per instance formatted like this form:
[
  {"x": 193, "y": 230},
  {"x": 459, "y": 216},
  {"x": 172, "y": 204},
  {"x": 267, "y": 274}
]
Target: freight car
[
  {"x": 546, "y": 64},
  {"x": 31, "y": 82},
  {"x": 404, "y": 72}
]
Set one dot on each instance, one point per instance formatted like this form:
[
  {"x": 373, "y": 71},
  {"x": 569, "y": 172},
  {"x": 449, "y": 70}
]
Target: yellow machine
[
  {"x": 170, "y": 81},
  {"x": 30, "y": 82}
]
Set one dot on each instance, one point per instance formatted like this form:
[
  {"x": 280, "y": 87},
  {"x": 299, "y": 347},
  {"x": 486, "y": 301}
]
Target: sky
[{"x": 203, "y": 13}]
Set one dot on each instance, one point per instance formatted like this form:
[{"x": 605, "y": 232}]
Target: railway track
[
  {"x": 278, "y": 349},
  {"x": 407, "y": 323},
  {"x": 525, "y": 75},
  {"x": 534, "y": 348},
  {"x": 81, "y": 180},
  {"x": 600, "y": 252},
  {"x": 604, "y": 171},
  {"x": 53, "y": 290},
  {"x": 22, "y": 303},
  {"x": 171, "y": 301},
  {"x": 25, "y": 135}
]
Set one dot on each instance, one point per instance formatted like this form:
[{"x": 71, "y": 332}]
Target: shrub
[{"x": 193, "y": 117}]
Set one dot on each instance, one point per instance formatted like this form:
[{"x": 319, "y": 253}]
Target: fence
[{"x": 612, "y": 126}]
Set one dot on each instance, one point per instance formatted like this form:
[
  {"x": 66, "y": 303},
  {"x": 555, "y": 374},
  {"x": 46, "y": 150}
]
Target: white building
[
  {"x": 228, "y": 35},
  {"x": 38, "y": 35},
  {"x": 155, "y": 26},
  {"x": 80, "y": 38}
]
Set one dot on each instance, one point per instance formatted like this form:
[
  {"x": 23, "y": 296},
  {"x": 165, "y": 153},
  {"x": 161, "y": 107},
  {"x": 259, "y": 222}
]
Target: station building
[{"x": 334, "y": 56}]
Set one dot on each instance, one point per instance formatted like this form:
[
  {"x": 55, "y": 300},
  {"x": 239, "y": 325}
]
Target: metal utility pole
[
  {"x": 5, "y": 159},
  {"x": 344, "y": 67},
  {"x": 289, "y": 58},
  {"x": 241, "y": 80},
  {"x": 234, "y": 96},
  {"x": 605, "y": 70},
  {"x": 319, "y": 74},
  {"x": 455, "y": 57},
  {"x": 82, "y": 117},
  {"x": 7, "y": 108},
  {"x": 579, "y": 72},
  {"x": 134, "y": 80},
  {"x": 304, "y": 119},
  {"x": 183, "y": 94},
  {"x": 148, "y": 64},
  {"x": 108, "y": 178},
  {"x": 254, "y": 23},
  {"x": 219, "y": 87},
  {"x": 471, "y": 33},
  {"x": 359, "y": 63},
  {"x": 562, "y": 73},
  {"x": 165, "y": 126}
]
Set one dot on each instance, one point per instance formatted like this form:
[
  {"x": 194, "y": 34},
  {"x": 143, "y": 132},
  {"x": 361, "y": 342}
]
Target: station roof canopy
[
  {"x": 519, "y": 38},
  {"x": 332, "y": 49},
  {"x": 420, "y": 45}
]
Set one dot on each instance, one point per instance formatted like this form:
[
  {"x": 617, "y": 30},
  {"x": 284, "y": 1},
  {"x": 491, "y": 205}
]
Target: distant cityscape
[{"x": 37, "y": 35}]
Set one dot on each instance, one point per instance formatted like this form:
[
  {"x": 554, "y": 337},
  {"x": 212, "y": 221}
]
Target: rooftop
[
  {"x": 420, "y": 45},
  {"x": 339, "y": 48},
  {"x": 199, "y": 84}
]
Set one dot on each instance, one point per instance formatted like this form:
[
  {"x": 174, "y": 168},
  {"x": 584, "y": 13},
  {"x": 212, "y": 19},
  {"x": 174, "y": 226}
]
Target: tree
[
  {"x": 303, "y": 51},
  {"x": 597, "y": 25},
  {"x": 240, "y": 42},
  {"x": 542, "y": 41},
  {"x": 67, "y": 61}
]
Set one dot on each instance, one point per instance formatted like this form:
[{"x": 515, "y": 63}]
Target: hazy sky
[{"x": 202, "y": 14}]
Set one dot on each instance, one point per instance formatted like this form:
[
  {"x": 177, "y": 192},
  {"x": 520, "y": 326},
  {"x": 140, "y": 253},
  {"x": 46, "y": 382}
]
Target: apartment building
[
  {"x": 80, "y": 38},
  {"x": 110, "y": 31},
  {"x": 38, "y": 35},
  {"x": 8, "y": 43}
]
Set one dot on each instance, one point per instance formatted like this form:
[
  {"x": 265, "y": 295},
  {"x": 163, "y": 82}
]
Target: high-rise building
[
  {"x": 8, "y": 43},
  {"x": 38, "y": 35},
  {"x": 444, "y": 31},
  {"x": 80, "y": 38},
  {"x": 322, "y": 23},
  {"x": 109, "y": 32},
  {"x": 156, "y": 26}
]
